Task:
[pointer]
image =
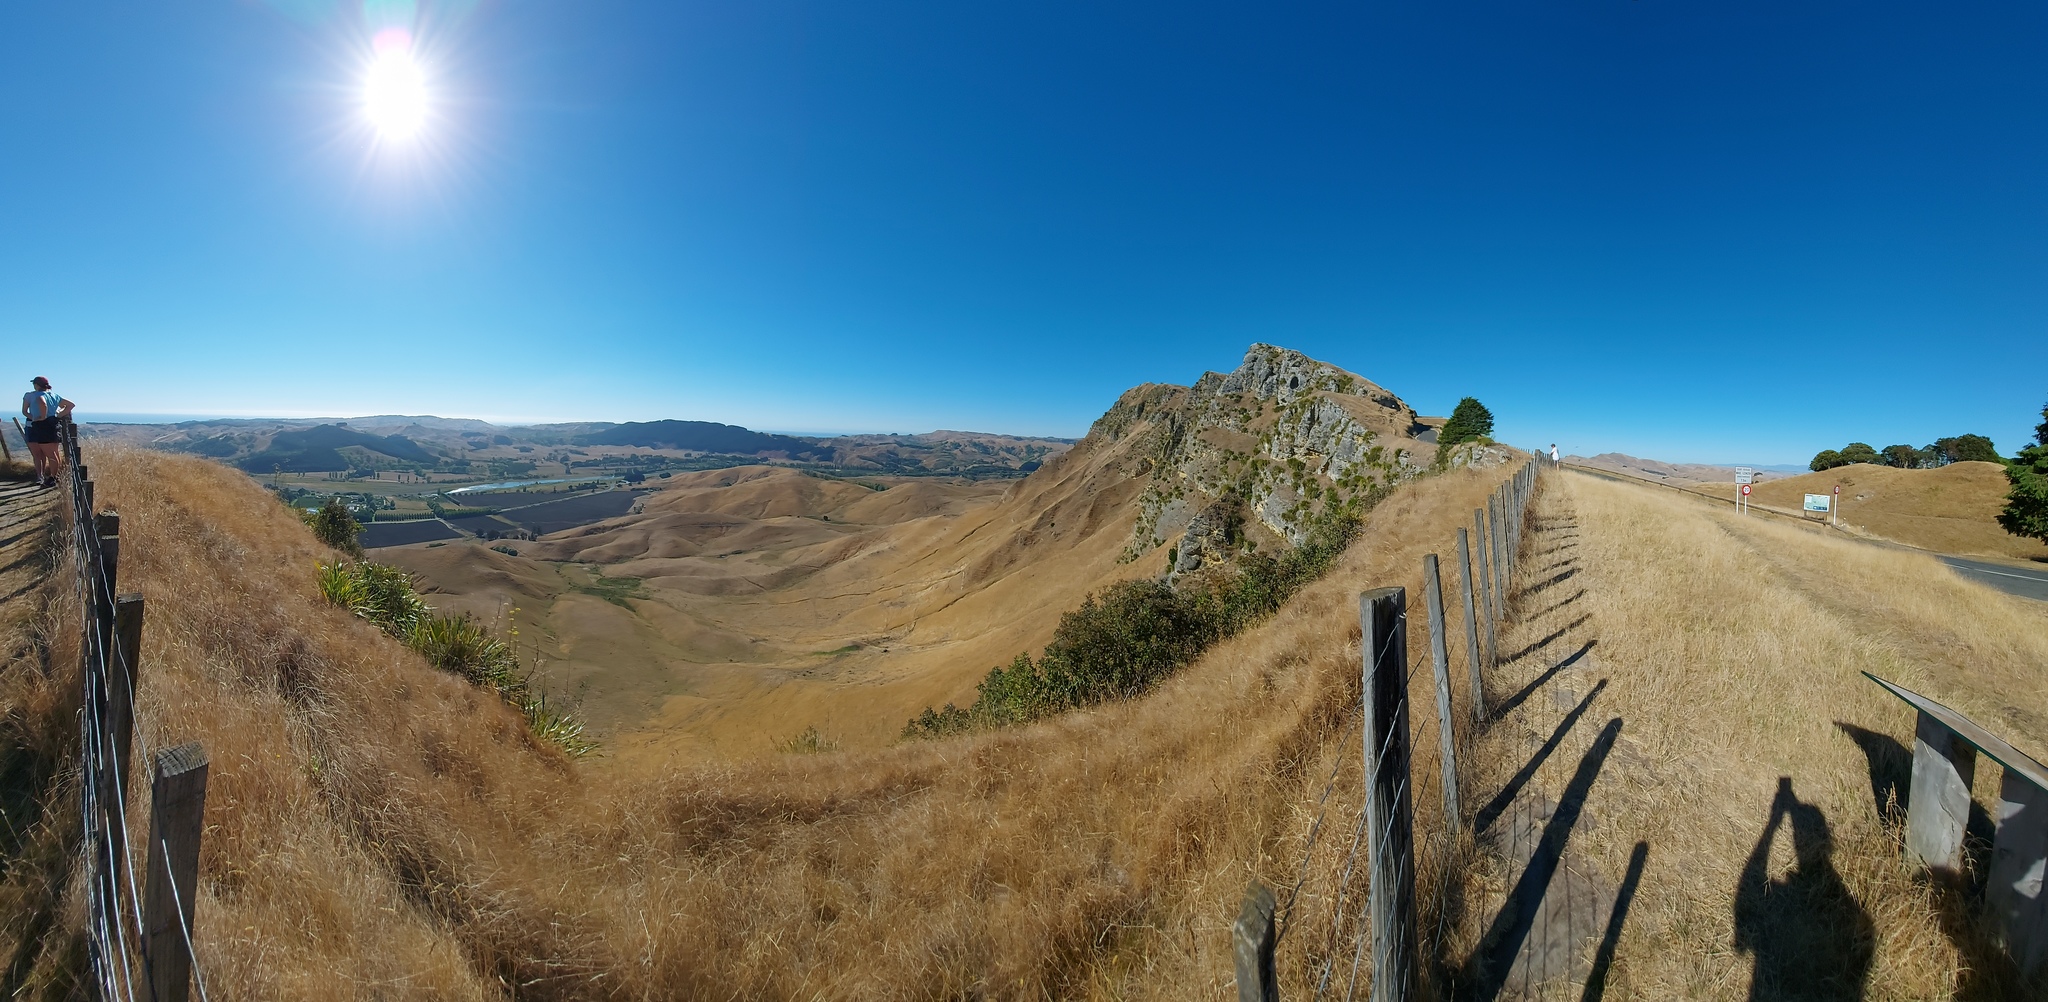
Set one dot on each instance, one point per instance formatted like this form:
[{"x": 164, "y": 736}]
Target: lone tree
[
  {"x": 1470, "y": 421},
  {"x": 1825, "y": 459},
  {"x": 333, "y": 525},
  {"x": 2026, "y": 505}
]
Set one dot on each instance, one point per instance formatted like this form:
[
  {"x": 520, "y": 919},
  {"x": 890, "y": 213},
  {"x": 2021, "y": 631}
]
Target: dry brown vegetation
[
  {"x": 1726, "y": 654},
  {"x": 381, "y": 830},
  {"x": 378, "y": 829},
  {"x": 1950, "y": 509}
]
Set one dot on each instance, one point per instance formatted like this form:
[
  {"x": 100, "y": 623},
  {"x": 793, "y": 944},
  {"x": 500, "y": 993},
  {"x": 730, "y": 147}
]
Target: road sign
[
  {"x": 1745, "y": 490},
  {"x": 1744, "y": 475},
  {"x": 1816, "y": 502},
  {"x": 1838, "y": 490}
]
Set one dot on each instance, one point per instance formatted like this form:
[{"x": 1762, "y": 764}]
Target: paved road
[
  {"x": 2026, "y": 582},
  {"x": 2022, "y": 581}
]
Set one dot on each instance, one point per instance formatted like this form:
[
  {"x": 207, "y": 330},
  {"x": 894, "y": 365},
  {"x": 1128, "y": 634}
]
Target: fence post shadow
[
  {"x": 1486, "y": 971},
  {"x": 1504, "y": 707},
  {"x": 1603, "y": 958},
  {"x": 1499, "y": 804}
]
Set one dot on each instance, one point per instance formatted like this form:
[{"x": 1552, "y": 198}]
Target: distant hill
[
  {"x": 318, "y": 449},
  {"x": 386, "y": 441},
  {"x": 707, "y": 436}
]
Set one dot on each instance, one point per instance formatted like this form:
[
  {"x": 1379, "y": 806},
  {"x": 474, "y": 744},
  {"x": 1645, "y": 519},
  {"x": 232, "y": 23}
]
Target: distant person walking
[
  {"x": 43, "y": 407},
  {"x": 1553, "y": 453}
]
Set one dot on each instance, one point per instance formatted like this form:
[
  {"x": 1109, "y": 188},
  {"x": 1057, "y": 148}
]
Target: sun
[{"x": 394, "y": 89}]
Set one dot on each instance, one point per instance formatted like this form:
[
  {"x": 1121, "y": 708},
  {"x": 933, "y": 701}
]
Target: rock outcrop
[{"x": 1249, "y": 459}]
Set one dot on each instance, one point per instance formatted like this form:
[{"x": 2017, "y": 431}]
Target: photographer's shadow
[{"x": 1809, "y": 936}]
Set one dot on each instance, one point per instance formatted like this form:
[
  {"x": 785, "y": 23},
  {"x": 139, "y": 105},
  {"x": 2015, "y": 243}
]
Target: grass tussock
[
  {"x": 1760, "y": 771},
  {"x": 384, "y": 595},
  {"x": 379, "y": 828},
  {"x": 42, "y": 953}
]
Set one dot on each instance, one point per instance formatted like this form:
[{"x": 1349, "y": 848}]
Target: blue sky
[{"x": 1711, "y": 232}]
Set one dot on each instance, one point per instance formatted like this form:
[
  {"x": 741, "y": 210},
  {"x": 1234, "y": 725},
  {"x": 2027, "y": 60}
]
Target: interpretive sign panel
[
  {"x": 1744, "y": 474},
  {"x": 1816, "y": 502}
]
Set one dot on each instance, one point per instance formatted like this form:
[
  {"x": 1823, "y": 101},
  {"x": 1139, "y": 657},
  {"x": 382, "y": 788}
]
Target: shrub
[
  {"x": 1126, "y": 638},
  {"x": 1469, "y": 421},
  {"x": 459, "y": 644},
  {"x": 333, "y": 525}
]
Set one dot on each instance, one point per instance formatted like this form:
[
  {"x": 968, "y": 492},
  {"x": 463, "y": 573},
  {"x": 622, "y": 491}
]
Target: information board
[
  {"x": 1816, "y": 502},
  {"x": 1744, "y": 474}
]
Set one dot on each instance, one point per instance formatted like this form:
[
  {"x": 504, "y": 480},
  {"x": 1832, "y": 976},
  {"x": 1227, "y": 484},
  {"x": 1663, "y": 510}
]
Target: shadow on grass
[
  {"x": 1603, "y": 958},
  {"x": 1486, "y": 971},
  {"x": 1499, "y": 804},
  {"x": 1505, "y": 706},
  {"x": 1808, "y": 935}
]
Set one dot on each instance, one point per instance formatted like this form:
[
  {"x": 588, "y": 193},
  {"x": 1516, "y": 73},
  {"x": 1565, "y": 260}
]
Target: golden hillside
[
  {"x": 1949, "y": 509},
  {"x": 739, "y": 607},
  {"x": 378, "y": 829}
]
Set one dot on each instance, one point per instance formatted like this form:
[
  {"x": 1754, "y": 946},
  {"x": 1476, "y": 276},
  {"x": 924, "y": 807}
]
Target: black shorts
[{"x": 43, "y": 432}]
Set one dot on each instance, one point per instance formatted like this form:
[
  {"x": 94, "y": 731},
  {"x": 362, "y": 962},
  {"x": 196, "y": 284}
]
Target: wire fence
[
  {"x": 138, "y": 947},
  {"x": 1325, "y": 924}
]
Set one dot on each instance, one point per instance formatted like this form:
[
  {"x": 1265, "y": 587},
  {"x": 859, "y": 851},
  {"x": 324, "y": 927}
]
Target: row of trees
[{"x": 1957, "y": 449}]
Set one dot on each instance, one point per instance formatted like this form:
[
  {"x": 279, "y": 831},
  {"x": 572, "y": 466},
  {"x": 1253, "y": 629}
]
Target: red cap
[{"x": 41, "y": 383}]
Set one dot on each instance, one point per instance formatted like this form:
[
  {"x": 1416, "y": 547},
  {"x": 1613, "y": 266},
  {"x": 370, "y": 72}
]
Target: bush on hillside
[
  {"x": 2026, "y": 504},
  {"x": 1469, "y": 421},
  {"x": 1825, "y": 459},
  {"x": 333, "y": 525},
  {"x": 384, "y": 595},
  {"x": 1126, "y": 638}
]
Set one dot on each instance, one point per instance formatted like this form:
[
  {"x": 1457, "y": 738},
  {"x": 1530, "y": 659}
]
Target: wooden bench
[{"x": 1945, "y": 749}]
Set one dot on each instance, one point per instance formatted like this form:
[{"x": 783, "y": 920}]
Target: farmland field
[
  {"x": 554, "y": 516},
  {"x": 403, "y": 533}
]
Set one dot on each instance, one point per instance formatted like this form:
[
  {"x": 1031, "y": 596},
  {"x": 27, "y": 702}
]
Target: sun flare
[{"x": 395, "y": 92}]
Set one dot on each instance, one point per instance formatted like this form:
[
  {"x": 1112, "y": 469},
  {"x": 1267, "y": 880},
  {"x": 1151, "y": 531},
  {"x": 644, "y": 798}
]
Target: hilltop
[
  {"x": 1948, "y": 509},
  {"x": 735, "y": 604}
]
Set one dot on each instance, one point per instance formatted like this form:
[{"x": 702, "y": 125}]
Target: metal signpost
[
  {"x": 1743, "y": 476},
  {"x": 1742, "y": 505},
  {"x": 1835, "y": 516}
]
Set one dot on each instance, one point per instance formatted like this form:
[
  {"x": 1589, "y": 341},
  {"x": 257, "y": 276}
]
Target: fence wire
[
  {"x": 1324, "y": 898},
  {"x": 115, "y": 928}
]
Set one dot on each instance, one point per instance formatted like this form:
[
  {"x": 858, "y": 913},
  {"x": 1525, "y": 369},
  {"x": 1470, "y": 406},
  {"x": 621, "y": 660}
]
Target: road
[
  {"x": 2026, "y": 582},
  {"x": 2022, "y": 581}
]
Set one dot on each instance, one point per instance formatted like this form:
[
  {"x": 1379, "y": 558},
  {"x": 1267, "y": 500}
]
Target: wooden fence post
[
  {"x": 1390, "y": 820},
  {"x": 1440, "y": 659},
  {"x": 1499, "y": 539},
  {"x": 1939, "y": 805},
  {"x": 1471, "y": 626},
  {"x": 1251, "y": 946},
  {"x": 1485, "y": 587},
  {"x": 176, "y": 820},
  {"x": 121, "y": 669}
]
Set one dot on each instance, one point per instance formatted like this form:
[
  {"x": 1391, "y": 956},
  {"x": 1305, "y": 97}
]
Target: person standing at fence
[
  {"x": 1553, "y": 453},
  {"x": 43, "y": 407}
]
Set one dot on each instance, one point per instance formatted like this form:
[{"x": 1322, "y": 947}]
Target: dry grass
[
  {"x": 1951, "y": 509},
  {"x": 380, "y": 830},
  {"x": 1731, "y": 650}
]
